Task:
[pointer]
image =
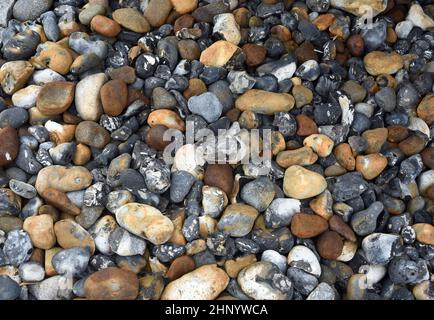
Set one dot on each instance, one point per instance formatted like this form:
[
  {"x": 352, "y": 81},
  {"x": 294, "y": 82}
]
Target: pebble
[
  {"x": 100, "y": 232},
  {"x": 31, "y": 9},
  {"x": 330, "y": 245},
  {"x": 226, "y": 28},
  {"x": 218, "y": 54},
  {"x": 371, "y": 165},
  {"x": 378, "y": 247},
  {"x": 302, "y": 156},
  {"x": 358, "y": 7},
  {"x": 31, "y": 272},
  {"x": 112, "y": 284},
  {"x": 9, "y": 142},
  {"x": 280, "y": 212},
  {"x": 419, "y": 18},
  {"x": 145, "y": 221},
  {"x": 365, "y": 222},
  {"x": 320, "y": 143},
  {"x": 237, "y": 219},
  {"x": 307, "y": 225},
  {"x": 71, "y": 262},
  {"x": 6, "y": 12},
  {"x": 214, "y": 201},
  {"x": 92, "y": 134},
  {"x": 424, "y": 233},
  {"x": 55, "y": 97},
  {"x": 204, "y": 283},
  {"x": 70, "y": 234},
  {"x": 301, "y": 183},
  {"x": 181, "y": 183},
  {"x": 114, "y": 97},
  {"x": 63, "y": 178},
  {"x": 131, "y": 19},
  {"x": 263, "y": 102},
  {"x": 303, "y": 258},
  {"x": 275, "y": 258},
  {"x": 17, "y": 247},
  {"x": 219, "y": 175},
  {"x": 323, "y": 292},
  {"x": 14, "y": 75},
  {"x": 26, "y": 97},
  {"x": 379, "y": 62},
  {"x": 53, "y": 288},
  {"x": 41, "y": 231},
  {"x": 10, "y": 290},
  {"x": 303, "y": 282},
  {"x": 124, "y": 243},
  {"x": 207, "y": 105},
  {"x": 87, "y": 97},
  {"x": 60, "y": 200},
  {"x": 425, "y": 109},
  {"x": 258, "y": 193}
]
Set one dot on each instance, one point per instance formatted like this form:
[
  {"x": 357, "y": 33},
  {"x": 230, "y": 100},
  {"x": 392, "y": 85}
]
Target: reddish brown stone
[
  {"x": 184, "y": 21},
  {"x": 126, "y": 74},
  {"x": 344, "y": 156},
  {"x": 428, "y": 157},
  {"x": 60, "y": 200},
  {"x": 255, "y": 54},
  {"x": 330, "y": 245},
  {"x": 221, "y": 176},
  {"x": 180, "y": 266},
  {"x": 397, "y": 133},
  {"x": 189, "y": 49},
  {"x": 105, "y": 26},
  {"x": 112, "y": 284},
  {"x": 305, "y": 125},
  {"x": 9, "y": 145},
  {"x": 114, "y": 97},
  {"x": 356, "y": 45},
  {"x": 154, "y": 137},
  {"x": 337, "y": 224},
  {"x": 308, "y": 225},
  {"x": 412, "y": 145},
  {"x": 306, "y": 51}
]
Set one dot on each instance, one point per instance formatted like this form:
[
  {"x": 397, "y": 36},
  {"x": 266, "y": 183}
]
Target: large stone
[
  {"x": 145, "y": 221},
  {"x": 361, "y": 7},
  {"x": 70, "y": 234},
  {"x": 300, "y": 183},
  {"x": 14, "y": 75},
  {"x": 238, "y": 219},
  {"x": 112, "y": 284},
  {"x": 131, "y": 19},
  {"x": 264, "y": 102},
  {"x": 62, "y": 178},
  {"x": 87, "y": 96},
  {"x": 41, "y": 231},
  {"x": 204, "y": 283},
  {"x": 55, "y": 97},
  {"x": 379, "y": 62}
]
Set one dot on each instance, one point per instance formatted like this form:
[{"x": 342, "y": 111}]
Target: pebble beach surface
[{"x": 90, "y": 208}]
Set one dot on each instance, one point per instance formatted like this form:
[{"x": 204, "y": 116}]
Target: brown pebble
[
  {"x": 154, "y": 137},
  {"x": 114, "y": 97},
  {"x": 105, "y": 26},
  {"x": 375, "y": 138},
  {"x": 179, "y": 267},
  {"x": 60, "y": 200},
  {"x": 428, "y": 157},
  {"x": 188, "y": 49},
  {"x": 425, "y": 109},
  {"x": 330, "y": 245},
  {"x": 302, "y": 156},
  {"x": 305, "y": 125},
  {"x": 324, "y": 21},
  {"x": 397, "y": 133},
  {"x": 82, "y": 155},
  {"x": 307, "y": 225},
  {"x": 166, "y": 117},
  {"x": 157, "y": 11},
  {"x": 195, "y": 88},
  {"x": 55, "y": 97},
  {"x": 112, "y": 284},
  {"x": 344, "y": 156},
  {"x": 336, "y": 223},
  {"x": 306, "y": 51},
  {"x": 412, "y": 145},
  {"x": 219, "y": 175},
  {"x": 255, "y": 54},
  {"x": 41, "y": 231},
  {"x": 126, "y": 74},
  {"x": 356, "y": 45},
  {"x": 9, "y": 145},
  {"x": 92, "y": 134},
  {"x": 371, "y": 165},
  {"x": 184, "y": 21}
]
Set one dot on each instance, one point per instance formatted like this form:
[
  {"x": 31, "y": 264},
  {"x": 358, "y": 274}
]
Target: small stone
[
  {"x": 305, "y": 125},
  {"x": 53, "y": 288},
  {"x": 157, "y": 11},
  {"x": 14, "y": 75},
  {"x": 302, "y": 95},
  {"x": 101, "y": 231},
  {"x": 145, "y": 221},
  {"x": 131, "y": 19},
  {"x": 184, "y": 6},
  {"x": 280, "y": 212},
  {"x": 419, "y": 18},
  {"x": 10, "y": 203},
  {"x": 349, "y": 186},
  {"x": 214, "y": 200},
  {"x": 124, "y": 243},
  {"x": 386, "y": 99},
  {"x": 258, "y": 193},
  {"x": 54, "y": 56},
  {"x": 330, "y": 245},
  {"x": 18, "y": 247},
  {"x": 105, "y": 26},
  {"x": 62, "y": 178},
  {"x": 31, "y": 272},
  {"x": 300, "y": 183},
  {"x": 112, "y": 284},
  {"x": 378, "y": 62},
  {"x": 307, "y": 225},
  {"x": 218, "y": 54},
  {"x": 21, "y": 46},
  {"x": 323, "y": 292},
  {"x": 207, "y": 105},
  {"x": 204, "y": 283},
  {"x": 255, "y": 54},
  {"x": 55, "y": 97},
  {"x": 226, "y": 28},
  {"x": 181, "y": 183},
  {"x": 424, "y": 233},
  {"x": 179, "y": 267},
  {"x": 10, "y": 143},
  {"x": 365, "y": 222},
  {"x": 425, "y": 109},
  {"x": 303, "y": 258},
  {"x": 92, "y": 134},
  {"x": 378, "y": 247},
  {"x": 221, "y": 176},
  {"x": 337, "y": 224},
  {"x": 344, "y": 156},
  {"x": 9, "y": 289},
  {"x": 264, "y": 102},
  {"x": 263, "y": 280},
  {"x": 322, "y": 205},
  {"x": 371, "y": 165},
  {"x": 70, "y": 234},
  {"x": 375, "y": 138},
  {"x": 237, "y": 219},
  {"x": 60, "y": 200},
  {"x": 6, "y": 12},
  {"x": 320, "y": 143},
  {"x": 71, "y": 262},
  {"x": 167, "y": 118},
  {"x": 114, "y": 97},
  {"x": 358, "y": 8},
  {"x": 87, "y": 96},
  {"x": 90, "y": 11},
  {"x": 26, "y": 97},
  {"x": 30, "y": 9},
  {"x": 41, "y": 231}
]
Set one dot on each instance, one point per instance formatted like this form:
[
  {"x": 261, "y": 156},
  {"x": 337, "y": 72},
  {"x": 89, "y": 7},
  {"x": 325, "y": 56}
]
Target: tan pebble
[
  {"x": 41, "y": 231},
  {"x": 371, "y": 165},
  {"x": 320, "y": 143}
]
